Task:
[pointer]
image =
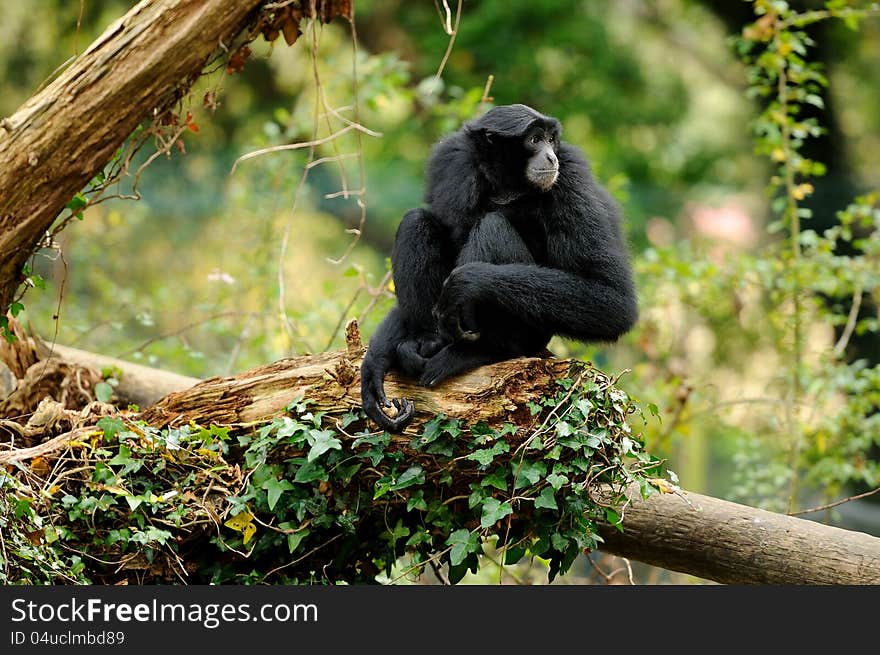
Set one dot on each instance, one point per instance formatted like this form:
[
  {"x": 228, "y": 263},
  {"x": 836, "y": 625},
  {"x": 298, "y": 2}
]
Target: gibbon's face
[{"x": 542, "y": 167}]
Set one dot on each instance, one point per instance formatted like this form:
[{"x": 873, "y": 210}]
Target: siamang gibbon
[{"x": 518, "y": 243}]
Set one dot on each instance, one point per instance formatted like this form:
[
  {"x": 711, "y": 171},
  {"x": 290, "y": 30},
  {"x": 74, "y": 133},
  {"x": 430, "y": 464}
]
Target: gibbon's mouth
[{"x": 544, "y": 178}]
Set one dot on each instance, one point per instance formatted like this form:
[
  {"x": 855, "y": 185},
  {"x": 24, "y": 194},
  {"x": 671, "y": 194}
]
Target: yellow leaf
[
  {"x": 391, "y": 286},
  {"x": 778, "y": 154},
  {"x": 119, "y": 491},
  {"x": 243, "y": 522},
  {"x": 51, "y": 491},
  {"x": 664, "y": 486}
]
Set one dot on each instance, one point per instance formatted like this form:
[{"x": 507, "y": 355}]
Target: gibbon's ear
[{"x": 481, "y": 136}]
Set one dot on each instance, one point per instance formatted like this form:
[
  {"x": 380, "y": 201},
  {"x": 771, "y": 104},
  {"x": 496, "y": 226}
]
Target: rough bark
[
  {"x": 737, "y": 544},
  {"x": 493, "y": 394},
  {"x": 62, "y": 136}
]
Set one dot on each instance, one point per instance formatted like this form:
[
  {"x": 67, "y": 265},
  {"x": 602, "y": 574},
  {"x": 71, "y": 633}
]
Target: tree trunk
[
  {"x": 63, "y": 136},
  {"x": 736, "y": 544}
]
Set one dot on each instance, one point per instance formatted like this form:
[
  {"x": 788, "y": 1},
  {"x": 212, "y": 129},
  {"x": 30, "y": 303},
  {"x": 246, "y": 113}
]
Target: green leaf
[
  {"x": 559, "y": 542},
  {"x": 381, "y": 489},
  {"x": 546, "y": 500},
  {"x": 274, "y": 488},
  {"x": 497, "y": 479},
  {"x": 477, "y": 497},
  {"x": 613, "y": 518},
  {"x": 508, "y": 428},
  {"x": 111, "y": 426},
  {"x": 527, "y": 473},
  {"x": 309, "y": 472},
  {"x": 463, "y": 543},
  {"x": 122, "y": 458},
  {"x": 412, "y": 475},
  {"x": 557, "y": 481},
  {"x": 513, "y": 555},
  {"x": 493, "y": 511},
  {"x": 393, "y": 535},
  {"x": 22, "y": 508},
  {"x": 323, "y": 441},
  {"x": 103, "y": 392},
  {"x": 294, "y": 538},
  {"x": 485, "y": 456},
  {"x": 563, "y": 429},
  {"x": 418, "y": 537},
  {"x": 76, "y": 204},
  {"x": 15, "y": 308},
  {"x": 417, "y": 501},
  {"x": 431, "y": 432},
  {"x": 585, "y": 406}
]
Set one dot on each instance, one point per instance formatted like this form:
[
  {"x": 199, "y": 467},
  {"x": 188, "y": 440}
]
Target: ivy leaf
[
  {"x": 122, "y": 458},
  {"x": 463, "y": 543},
  {"x": 395, "y": 534},
  {"x": 381, "y": 489},
  {"x": 431, "y": 432},
  {"x": 477, "y": 497},
  {"x": 584, "y": 406},
  {"x": 485, "y": 456},
  {"x": 294, "y": 431},
  {"x": 243, "y": 522},
  {"x": 508, "y": 428},
  {"x": 613, "y": 518},
  {"x": 103, "y": 392},
  {"x": 110, "y": 426},
  {"x": 412, "y": 475},
  {"x": 274, "y": 488},
  {"x": 417, "y": 501},
  {"x": 527, "y": 473},
  {"x": 310, "y": 472},
  {"x": 515, "y": 554},
  {"x": 323, "y": 441},
  {"x": 294, "y": 538},
  {"x": 563, "y": 429},
  {"x": 557, "y": 481},
  {"x": 493, "y": 511},
  {"x": 546, "y": 500},
  {"x": 497, "y": 479}
]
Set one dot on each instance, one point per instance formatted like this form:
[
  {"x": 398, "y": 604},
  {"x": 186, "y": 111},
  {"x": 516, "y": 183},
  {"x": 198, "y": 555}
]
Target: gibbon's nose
[{"x": 551, "y": 158}]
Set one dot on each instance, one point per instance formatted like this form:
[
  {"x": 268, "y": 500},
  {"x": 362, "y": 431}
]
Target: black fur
[{"x": 494, "y": 267}]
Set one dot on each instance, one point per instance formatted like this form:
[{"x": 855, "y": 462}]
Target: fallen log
[
  {"x": 137, "y": 384},
  {"x": 736, "y": 544}
]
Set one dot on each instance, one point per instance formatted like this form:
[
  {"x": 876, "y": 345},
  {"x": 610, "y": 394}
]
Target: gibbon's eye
[
  {"x": 536, "y": 139},
  {"x": 552, "y": 140}
]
